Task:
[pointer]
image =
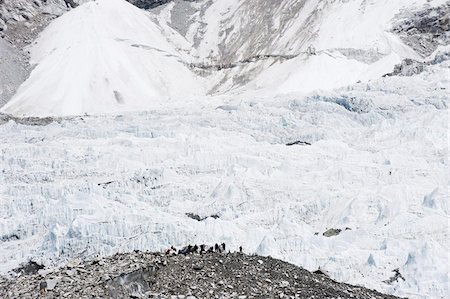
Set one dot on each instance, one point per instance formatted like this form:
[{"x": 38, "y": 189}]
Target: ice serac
[{"x": 103, "y": 56}]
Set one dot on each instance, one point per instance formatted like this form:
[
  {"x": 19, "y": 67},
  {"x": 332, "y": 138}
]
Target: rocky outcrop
[
  {"x": 18, "y": 11},
  {"x": 426, "y": 29},
  {"x": 332, "y": 232},
  {"x": 154, "y": 275},
  {"x": 14, "y": 11},
  {"x": 20, "y": 23},
  {"x": 14, "y": 70},
  {"x": 201, "y": 218},
  {"x": 71, "y": 3},
  {"x": 408, "y": 68},
  {"x": 148, "y": 4}
]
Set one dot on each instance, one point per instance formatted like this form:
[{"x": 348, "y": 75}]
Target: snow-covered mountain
[
  {"x": 352, "y": 40},
  {"x": 20, "y": 23},
  {"x": 272, "y": 116},
  {"x": 101, "y": 57},
  {"x": 116, "y": 57}
]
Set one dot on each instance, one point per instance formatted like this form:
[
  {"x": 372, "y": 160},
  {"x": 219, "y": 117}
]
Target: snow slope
[
  {"x": 352, "y": 40},
  {"x": 107, "y": 56},
  {"x": 104, "y": 56}
]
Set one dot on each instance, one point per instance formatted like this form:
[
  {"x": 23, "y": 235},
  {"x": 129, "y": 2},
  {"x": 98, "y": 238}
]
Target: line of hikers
[{"x": 202, "y": 249}]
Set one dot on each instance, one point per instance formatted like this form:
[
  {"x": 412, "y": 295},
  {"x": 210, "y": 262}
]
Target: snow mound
[{"x": 104, "y": 56}]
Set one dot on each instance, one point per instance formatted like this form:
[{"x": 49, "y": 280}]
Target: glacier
[
  {"x": 378, "y": 164},
  {"x": 135, "y": 135}
]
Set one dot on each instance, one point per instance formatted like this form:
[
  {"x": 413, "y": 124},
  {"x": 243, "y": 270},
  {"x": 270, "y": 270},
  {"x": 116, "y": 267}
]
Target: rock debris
[{"x": 158, "y": 275}]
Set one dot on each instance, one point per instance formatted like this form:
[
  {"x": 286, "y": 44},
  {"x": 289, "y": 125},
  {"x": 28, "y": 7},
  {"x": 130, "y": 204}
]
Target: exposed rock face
[
  {"x": 148, "y": 4},
  {"x": 20, "y": 23},
  {"x": 14, "y": 11},
  {"x": 30, "y": 268},
  {"x": 153, "y": 275},
  {"x": 71, "y": 3},
  {"x": 411, "y": 67},
  {"x": 332, "y": 232},
  {"x": 408, "y": 67},
  {"x": 425, "y": 30},
  {"x": 14, "y": 70}
]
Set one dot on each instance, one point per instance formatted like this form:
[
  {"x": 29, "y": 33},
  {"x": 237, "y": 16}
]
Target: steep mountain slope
[
  {"x": 268, "y": 41},
  {"x": 102, "y": 57},
  {"x": 14, "y": 70},
  {"x": 237, "y": 47},
  {"x": 20, "y": 23}
]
